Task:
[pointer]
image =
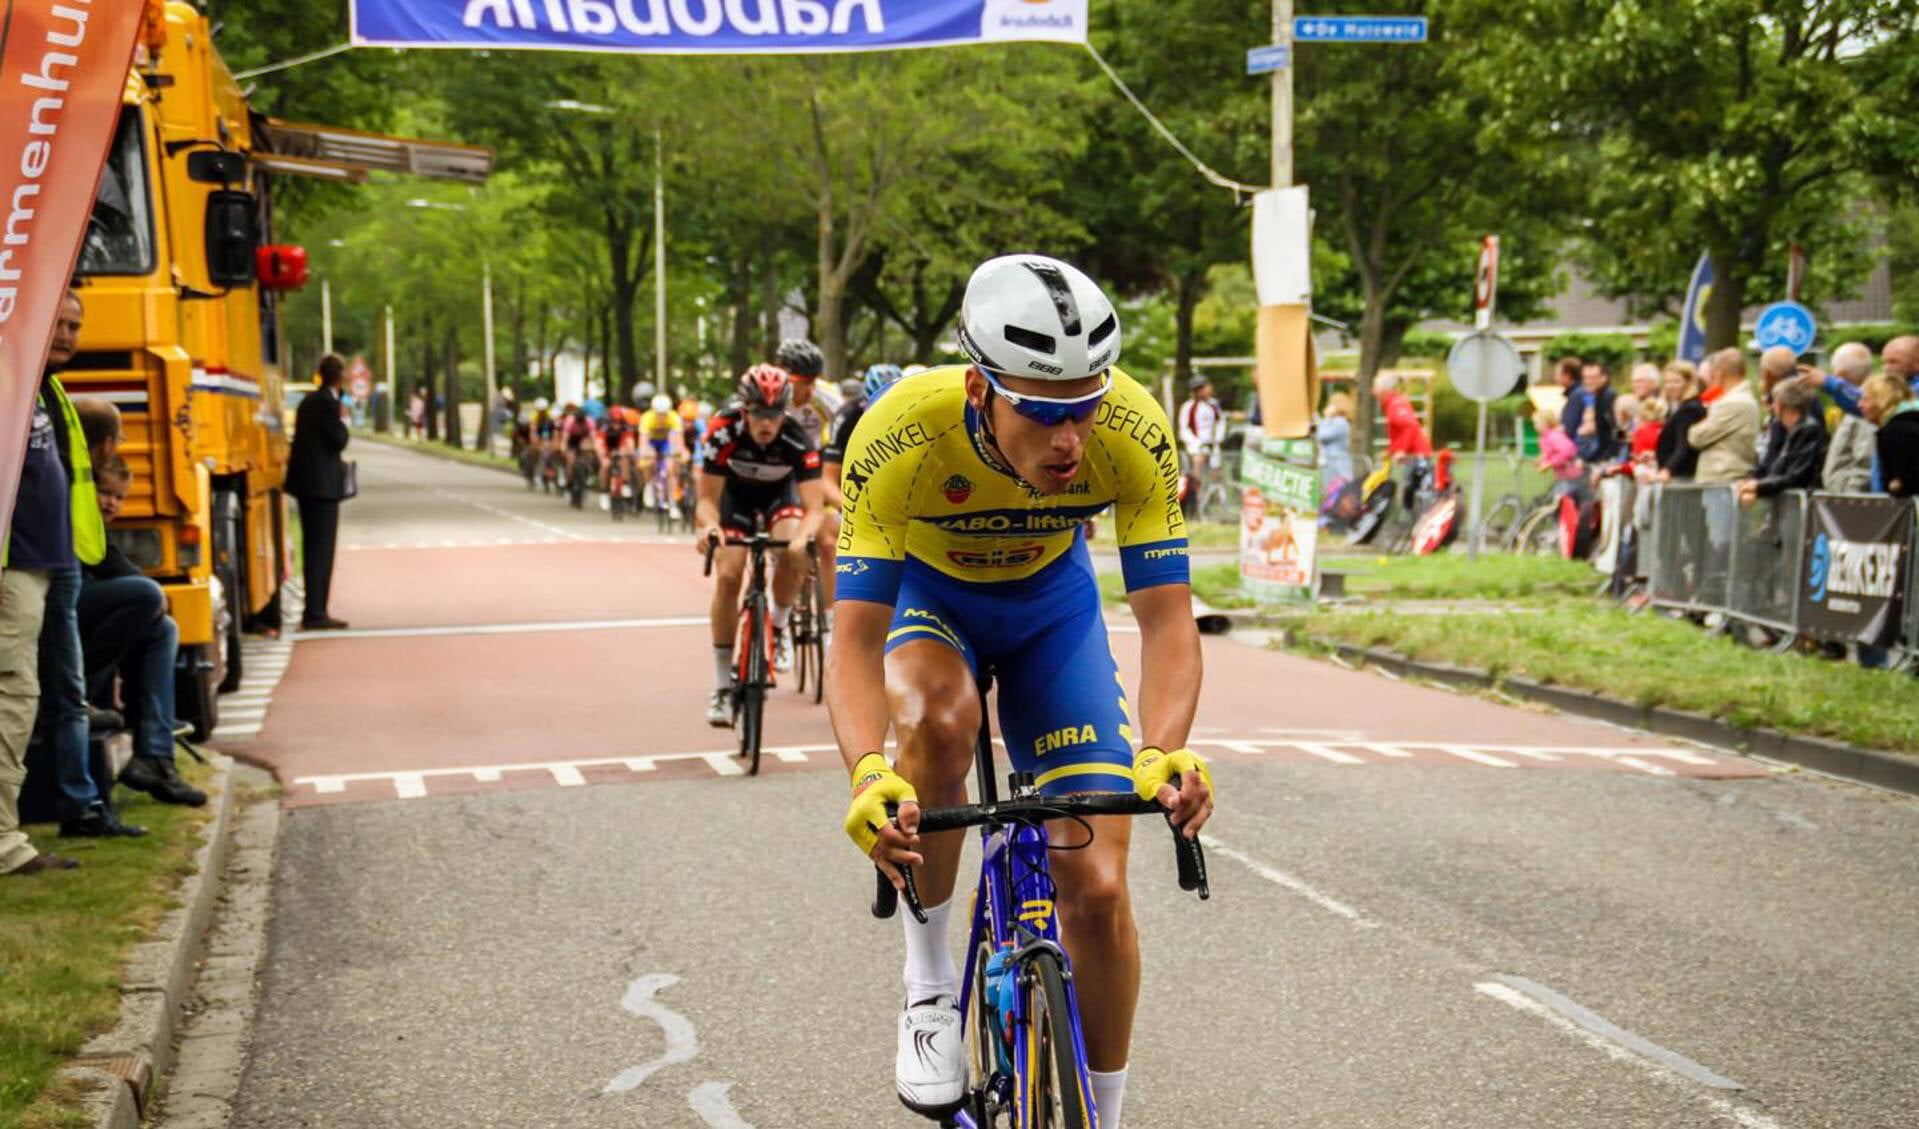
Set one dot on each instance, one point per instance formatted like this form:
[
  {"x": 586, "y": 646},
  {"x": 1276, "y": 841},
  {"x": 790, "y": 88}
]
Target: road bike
[
  {"x": 622, "y": 495},
  {"x": 1019, "y": 1008},
  {"x": 752, "y": 647},
  {"x": 809, "y": 629},
  {"x": 580, "y": 477},
  {"x": 666, "y": 493}
]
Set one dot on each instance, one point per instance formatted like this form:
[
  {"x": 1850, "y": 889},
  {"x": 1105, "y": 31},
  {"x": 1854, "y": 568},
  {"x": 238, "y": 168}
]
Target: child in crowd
[{"x": 1558, "y": 456}]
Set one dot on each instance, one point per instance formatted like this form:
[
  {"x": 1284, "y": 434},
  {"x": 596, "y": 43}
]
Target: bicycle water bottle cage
[{"x": 1002, "y": 987}]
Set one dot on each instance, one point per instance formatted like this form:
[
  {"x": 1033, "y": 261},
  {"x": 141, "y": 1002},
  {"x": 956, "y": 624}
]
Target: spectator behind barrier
[
  {"x": 1647, "y": 429},
  {"x": 1595, "y": 432},
  {"x": 1727, "y": 439},
  {"x": 1888, "y": 401},
  {"x": 1901, "y": 357},
  {"x": 1775, "y": 364},
  {"x": 1675, "y": 456},
  {"x": 1335, "y": 440},
  {"x": 1801, "y": 451},
  {"x": 125, "y": 631},
  {"x": 1558, "y": 456},
  {"x": 1848, "y": 468}
]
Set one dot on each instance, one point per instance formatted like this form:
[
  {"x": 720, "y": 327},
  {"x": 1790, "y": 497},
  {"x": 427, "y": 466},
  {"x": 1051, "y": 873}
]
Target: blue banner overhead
[{"x": 713, "y": 26}]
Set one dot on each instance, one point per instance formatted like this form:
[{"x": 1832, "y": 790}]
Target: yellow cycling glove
[
  {"x": 1155, "y": 768},
  {"x": 875, "y": 785}
]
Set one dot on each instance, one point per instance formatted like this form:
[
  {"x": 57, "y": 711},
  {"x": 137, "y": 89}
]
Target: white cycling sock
[
  {"x": 929, "y": 956},
  {"x": 781, "y": 612},
  {"x": 722, "y": 666},
  {"x": 1109, "y": 1093}
]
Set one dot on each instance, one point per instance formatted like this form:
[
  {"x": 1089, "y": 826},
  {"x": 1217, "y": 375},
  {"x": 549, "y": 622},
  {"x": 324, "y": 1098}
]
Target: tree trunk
[
  {"x": 770, "y": 300},
  {"x": 1190, "y": 287},
  {"x": 1726, "y": 301},
  {"x": 829, "y": 328},
  {"x": 739, "y": 293},
  {"x": 450, "y": 376},
  {"x": 517, "y": 378},
  {"x": 429, "y": 379},
  {"x": 1372, "y": 334}
]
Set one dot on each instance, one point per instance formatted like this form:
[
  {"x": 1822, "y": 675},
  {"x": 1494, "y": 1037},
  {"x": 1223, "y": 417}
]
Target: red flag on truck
[{"x": 63, "y": 68}]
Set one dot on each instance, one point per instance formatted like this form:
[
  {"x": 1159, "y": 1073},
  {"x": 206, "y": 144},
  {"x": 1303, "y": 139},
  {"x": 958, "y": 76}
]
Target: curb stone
[
  {"x": 1834, "y": 758},
  {"x": 115, "y": 1072}
]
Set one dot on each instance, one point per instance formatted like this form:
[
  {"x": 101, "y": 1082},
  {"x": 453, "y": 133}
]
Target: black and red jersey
[{"x": 730, "y": 451}]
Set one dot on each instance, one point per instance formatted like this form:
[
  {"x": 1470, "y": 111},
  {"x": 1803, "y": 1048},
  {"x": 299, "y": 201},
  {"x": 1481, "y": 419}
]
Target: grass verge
[
  {"x": 441, "y": 450},
  {"x": 65, "y": 936},
  {"x": 1650, "y": 660},
  {"x": 1444, "y": 577}
]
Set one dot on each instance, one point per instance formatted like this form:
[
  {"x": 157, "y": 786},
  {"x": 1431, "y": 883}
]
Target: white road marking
[
  {"x": 708, "y": 1099},
  {"x": 408, "y": 783},
  {"x": 1281, "y": 878},
  {"x": 496, "y": 511},
  {"x": 263, "y": 663},
  {"x": 518, "y": 628},
  {"x": 1620, "y": 1045},
  {"x": 682, "y": 1042}
]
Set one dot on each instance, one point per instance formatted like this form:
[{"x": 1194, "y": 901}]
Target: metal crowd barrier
[
  {"x": 1691, "y": 565},
  {"x": 1705, "y": 553}
]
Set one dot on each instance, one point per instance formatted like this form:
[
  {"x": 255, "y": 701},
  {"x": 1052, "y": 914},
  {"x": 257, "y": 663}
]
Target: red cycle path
[{"x": 398, "y": 716}]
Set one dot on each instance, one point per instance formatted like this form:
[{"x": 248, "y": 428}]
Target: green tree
[{"x": 1736, "y": 127}]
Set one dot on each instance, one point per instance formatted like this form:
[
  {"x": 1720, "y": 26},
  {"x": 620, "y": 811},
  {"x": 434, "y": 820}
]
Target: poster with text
[{"x": 1279, "y": 519}]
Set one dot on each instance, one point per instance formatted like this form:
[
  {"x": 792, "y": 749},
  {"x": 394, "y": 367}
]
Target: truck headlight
[{"x": 142, "y": 546}]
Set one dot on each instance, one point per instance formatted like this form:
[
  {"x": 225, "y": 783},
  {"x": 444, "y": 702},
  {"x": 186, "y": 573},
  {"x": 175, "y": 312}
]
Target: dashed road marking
[
  {"x": 263, "y": 663},
  {"x": 412, "y": 783},
  {"x": 1620, "y": 1045},
  {"x": 1284, "y": 880}
]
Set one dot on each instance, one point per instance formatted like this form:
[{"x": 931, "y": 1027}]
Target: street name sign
[
  {"x": 1359, "y": 29},
  {"x": 1277, "y": 57}
]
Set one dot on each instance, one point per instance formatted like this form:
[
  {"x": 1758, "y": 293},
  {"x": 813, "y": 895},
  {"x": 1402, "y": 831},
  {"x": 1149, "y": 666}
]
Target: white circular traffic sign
[{"x": 1484, "y": 366}]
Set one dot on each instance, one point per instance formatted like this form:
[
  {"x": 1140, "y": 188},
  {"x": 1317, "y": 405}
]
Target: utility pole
[
  {"x": 1283, "y": 98},
  {"x": 392, "y": 374},
  {"x": 326, "y": 316},
  {"x": 485, "y": 440},
  {"x": 659, "y": 266}
]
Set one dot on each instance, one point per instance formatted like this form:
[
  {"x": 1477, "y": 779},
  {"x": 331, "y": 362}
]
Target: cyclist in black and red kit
[{"x": 758, "y": 467}]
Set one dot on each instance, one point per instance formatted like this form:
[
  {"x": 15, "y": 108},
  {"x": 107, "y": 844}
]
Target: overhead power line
[
  {"x": 1205, "y": 170},
  {"x": 289, "y": 64}
]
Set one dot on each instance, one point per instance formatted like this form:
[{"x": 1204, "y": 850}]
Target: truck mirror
[
  {"x": 214, "y": 166},
  {"x": 232, "y": 235}
]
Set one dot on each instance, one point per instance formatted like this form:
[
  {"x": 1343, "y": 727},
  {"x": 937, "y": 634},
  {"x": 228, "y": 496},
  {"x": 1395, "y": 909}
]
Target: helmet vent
[
  {"x": 1027, "y": 339},
  {"x": 1102, "y": 331},
  {"x": 1057, "y": 289}
]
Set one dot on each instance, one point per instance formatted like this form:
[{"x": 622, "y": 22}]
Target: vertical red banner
[{"x": 63, "y": 69}]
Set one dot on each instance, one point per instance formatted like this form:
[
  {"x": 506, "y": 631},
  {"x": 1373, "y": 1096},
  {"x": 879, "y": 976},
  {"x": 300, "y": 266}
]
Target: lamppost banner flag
[
  {"x": 713, "y": 26},
  {"x": 63, "y": 68}
]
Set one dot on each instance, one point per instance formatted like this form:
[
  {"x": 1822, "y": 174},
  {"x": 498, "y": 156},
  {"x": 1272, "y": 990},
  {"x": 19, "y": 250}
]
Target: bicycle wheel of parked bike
[
  {"x": 1053, "y": 1053},
  {"x": 749, "y": 696},
  {"x": 1501, "y": 521},
  {"x": 1538, "y": 535},
  {"x": 1373, "y": 513}
]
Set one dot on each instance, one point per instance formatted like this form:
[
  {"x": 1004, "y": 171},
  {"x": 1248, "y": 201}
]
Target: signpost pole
[
  {"x": 1479, "y": 488},
  {"x": 1283, "y": 99},
  {"x": 659, "y": 266},
  {"x": 392, "y": 375},
  {"x": 485, "y": 442}
]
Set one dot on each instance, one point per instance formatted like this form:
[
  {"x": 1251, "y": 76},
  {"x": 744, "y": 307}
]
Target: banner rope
[
  {"x": 289, "y": 64},
  {"x": 1238, "y": 189}
]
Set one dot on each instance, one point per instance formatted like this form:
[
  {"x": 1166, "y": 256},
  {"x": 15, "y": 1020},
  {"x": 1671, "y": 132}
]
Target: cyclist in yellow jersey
[
  {"x": 960, "y": 549},
  {"x": 662, "y": 439}
]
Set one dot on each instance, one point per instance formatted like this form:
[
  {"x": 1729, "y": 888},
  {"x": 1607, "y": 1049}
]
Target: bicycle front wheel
[
  {"x": 752, "y": 687},
  {"x": 1054, "y": 1075},
  {"x": 816, "y": 587}
]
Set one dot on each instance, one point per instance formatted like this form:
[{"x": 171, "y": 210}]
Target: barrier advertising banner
[
  {"x": 1854, "y": 574},
  {"x": 63, "y": 67},
  {"x": 1279, "y": 519},
  {"x": 713, "y": 26}
]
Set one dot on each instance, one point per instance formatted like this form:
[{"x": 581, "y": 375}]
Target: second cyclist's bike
[{"x": 753, "y": 674}]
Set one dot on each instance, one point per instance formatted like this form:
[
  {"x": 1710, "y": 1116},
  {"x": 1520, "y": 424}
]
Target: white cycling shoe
[
  {"x": 719, "y": 709},
  {"x": 782, "y": 651},
  {"x": 930, "y": 1068}
]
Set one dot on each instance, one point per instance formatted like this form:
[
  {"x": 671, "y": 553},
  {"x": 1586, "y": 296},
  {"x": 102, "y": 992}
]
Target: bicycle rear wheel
[
  {"x": 1052, "y": 1070},
  {"x": 816, "y": 587}
]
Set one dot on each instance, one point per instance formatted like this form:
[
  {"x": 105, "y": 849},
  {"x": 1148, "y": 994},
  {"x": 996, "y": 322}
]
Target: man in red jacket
[{"x": 1405, "y": 437}]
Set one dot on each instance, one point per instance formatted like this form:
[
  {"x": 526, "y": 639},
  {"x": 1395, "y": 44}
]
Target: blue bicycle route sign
[
  {"x": 1359, "y": 29},
  {"x": 1260, "y": 60},
  {"x": 1786, "y": 323}
]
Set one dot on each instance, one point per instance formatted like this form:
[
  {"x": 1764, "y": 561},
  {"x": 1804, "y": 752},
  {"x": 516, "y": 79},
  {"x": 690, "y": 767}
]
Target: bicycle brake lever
[
  {"x": 1191, "y": 858},
  {"x": 912, "y": 890}
]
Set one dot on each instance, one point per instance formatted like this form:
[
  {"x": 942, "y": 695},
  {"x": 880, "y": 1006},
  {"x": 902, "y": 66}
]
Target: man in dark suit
[{"x": 316, "y": 475}]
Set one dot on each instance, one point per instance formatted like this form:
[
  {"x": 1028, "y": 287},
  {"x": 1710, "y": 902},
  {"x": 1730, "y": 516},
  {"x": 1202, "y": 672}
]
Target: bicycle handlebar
[
  {"x": 1188, "y": 853},
  {"x": 757, "y": 541}
]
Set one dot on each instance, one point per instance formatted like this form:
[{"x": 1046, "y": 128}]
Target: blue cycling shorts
[{"x": 1062, "y": 707}]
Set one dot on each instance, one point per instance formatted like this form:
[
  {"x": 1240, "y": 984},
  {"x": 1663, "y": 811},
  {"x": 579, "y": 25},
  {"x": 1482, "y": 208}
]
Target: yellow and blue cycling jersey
[{"x": 971, "y": 558}]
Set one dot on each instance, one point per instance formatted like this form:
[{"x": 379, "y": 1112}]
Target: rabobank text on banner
[
  {"x": 63, "y": 71},
  {"x": 713, "y": 26}
]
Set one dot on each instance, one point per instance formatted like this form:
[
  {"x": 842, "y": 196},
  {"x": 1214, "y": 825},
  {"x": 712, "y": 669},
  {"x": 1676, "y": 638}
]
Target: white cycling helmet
[
  {"x": 1038, "y": 317},
  {"x": 662, "y": 403},
  {"x": 542, "y": 403}
]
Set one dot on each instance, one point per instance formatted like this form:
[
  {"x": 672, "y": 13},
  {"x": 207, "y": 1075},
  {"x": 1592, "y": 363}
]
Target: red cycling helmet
[{"x": 766, "y": 388}]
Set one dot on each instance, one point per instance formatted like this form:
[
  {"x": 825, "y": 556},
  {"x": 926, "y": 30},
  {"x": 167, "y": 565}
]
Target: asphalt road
[{"x": 517, "y": 889}]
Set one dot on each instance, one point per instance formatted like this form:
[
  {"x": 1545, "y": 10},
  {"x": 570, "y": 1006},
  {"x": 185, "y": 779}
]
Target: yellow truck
[{"x": 179, "y": 278}]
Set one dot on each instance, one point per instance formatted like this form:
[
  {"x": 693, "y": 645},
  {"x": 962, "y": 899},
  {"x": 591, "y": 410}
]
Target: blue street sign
[
  {"x": 1786, "y": 323},
  {"x": 1359, "y": 29},
  {"x": 1277, "y": 57}
]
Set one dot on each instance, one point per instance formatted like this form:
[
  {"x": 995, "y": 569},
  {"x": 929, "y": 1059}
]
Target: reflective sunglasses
[
  {"x": 767, "y": 413},
  {"x": 1048, "y": 411}
]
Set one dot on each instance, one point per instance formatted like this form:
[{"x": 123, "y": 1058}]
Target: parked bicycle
[{"x": 1019, "y": 1006}]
